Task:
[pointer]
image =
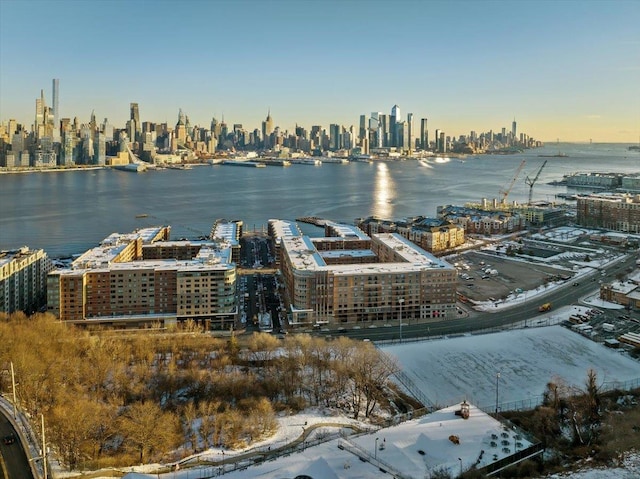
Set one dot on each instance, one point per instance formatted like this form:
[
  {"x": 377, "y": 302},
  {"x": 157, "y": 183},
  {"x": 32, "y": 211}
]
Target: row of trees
[{"x": 110, "y": 399}]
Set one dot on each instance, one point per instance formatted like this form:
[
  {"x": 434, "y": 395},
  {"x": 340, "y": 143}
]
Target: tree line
[{"x": 112, "y": 399}]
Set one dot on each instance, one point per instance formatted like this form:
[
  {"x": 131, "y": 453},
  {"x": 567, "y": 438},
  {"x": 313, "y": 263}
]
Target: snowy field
[
  {"x": 448, "y": 371},
  {"x": 411, "y": 449}
]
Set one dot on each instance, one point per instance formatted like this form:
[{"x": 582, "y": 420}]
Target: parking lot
[{"x": 483, "y": 277}]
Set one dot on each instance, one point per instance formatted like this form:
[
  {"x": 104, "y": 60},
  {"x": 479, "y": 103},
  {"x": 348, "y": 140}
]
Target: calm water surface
[{"x": 68, "y": 212}]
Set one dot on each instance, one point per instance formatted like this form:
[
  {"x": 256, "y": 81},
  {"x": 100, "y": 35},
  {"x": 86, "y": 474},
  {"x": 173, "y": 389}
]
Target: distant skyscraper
[
  {"x": 135, "y": 121},
  {"x": 410, "y": 146},
  {"x": 363, "y": 127},
  {"x": 267, "y": 129},
  {"x": 395, "y": 118},
  {"x": 335, "y": 137},
  {"x": 513, "y": 129},
  {"x": 402, "y": 135},
  {"x": 56, "y": 110},
  {"x": 424, "y": 134},
  {"x": 385, "y": 135},
  {"x": 135, "y": 112},
  {"x": 180, "y": 130},
  {"x": 39, "y": 121}
]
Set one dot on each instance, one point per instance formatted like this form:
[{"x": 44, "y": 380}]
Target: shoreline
[{"x": 6, "y": 171}]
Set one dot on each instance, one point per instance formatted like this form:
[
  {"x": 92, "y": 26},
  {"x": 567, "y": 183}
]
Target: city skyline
[{"x": 565, "y": 70}]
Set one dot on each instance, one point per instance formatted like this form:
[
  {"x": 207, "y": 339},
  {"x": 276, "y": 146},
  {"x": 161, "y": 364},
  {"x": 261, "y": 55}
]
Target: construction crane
[
  {"x": 531, "y": 182},
  {"x": 504, "y": 192}
]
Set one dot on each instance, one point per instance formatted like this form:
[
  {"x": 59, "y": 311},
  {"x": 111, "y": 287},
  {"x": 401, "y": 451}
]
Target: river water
[{"x": 68, "y": 212}]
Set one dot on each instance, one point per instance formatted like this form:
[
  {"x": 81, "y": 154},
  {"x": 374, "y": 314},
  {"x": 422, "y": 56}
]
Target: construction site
[{"x": 538, "y": 213}]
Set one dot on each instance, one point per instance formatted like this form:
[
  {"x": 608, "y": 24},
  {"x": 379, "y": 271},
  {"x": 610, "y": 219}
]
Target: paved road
[{"x": 15, "y": 464}]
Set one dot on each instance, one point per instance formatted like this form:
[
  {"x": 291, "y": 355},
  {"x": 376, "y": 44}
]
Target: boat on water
[
  {"x": 132, "y": 167},
  {"x": 306, "y": 161},
  {"x": 249, "y": 164},
  {"x": 363, "y": 158},
  {"x": 277, "y": 162},
  {"x": 340, "y": 161},
  {"x": 557, "y": 155},
  {"x": 143, "y": 215},
  {"x": 178, "y": 166}
]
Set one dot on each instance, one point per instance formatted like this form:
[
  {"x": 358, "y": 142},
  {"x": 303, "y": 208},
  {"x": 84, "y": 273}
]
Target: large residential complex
[
  {"x": 606, "y": 181},
  {"x": 350, "y": 277},
  {"x": 23, "y": 277},
  {"x": 141, "y": 278},
  {"x": 617, "y": 212},
  {"x": 433, "y": 235},
  {"x": 481, "y": 220}
]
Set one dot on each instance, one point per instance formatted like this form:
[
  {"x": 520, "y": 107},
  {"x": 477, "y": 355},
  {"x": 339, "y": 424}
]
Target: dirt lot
[{"x": 512, "y": 274}]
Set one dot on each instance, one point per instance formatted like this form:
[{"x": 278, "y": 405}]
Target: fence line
[
  {"x": 412, "y": 389},
  {"x": 524, "y": 324}
]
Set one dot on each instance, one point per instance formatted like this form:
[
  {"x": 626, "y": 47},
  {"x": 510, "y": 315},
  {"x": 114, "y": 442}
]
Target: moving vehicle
[
  {"x": 10, "y": 439},
  {"x": 544, "y": 307}
]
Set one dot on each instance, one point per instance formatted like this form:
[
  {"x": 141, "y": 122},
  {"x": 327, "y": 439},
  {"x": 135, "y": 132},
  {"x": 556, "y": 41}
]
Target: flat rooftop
[
  {"x": 347, "y": 231},
  {"x": 284, "y": 229},
  {"x": 156, "y": 265},
  {"x": 305, "y": 256}
]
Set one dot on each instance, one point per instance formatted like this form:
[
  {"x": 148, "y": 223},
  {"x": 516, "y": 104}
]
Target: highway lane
[
  {"x": 16, "y": 463},
  {"x": 563, "y": 295}
]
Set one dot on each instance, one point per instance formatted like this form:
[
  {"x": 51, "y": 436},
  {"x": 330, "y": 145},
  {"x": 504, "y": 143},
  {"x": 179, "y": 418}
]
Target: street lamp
[
  {"x": 497, "y": 390},
  {"x": 375, "y": 451},
  {"x": 13, "y": 384},
  {"x": 400, "y": 301}
]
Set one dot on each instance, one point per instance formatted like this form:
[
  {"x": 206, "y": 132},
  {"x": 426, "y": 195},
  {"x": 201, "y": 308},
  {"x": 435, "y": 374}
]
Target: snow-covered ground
[
  {"x": 411, "y": 449},
  {"x": 630, "y": 469},
  {"x": 449, "y": 370}
]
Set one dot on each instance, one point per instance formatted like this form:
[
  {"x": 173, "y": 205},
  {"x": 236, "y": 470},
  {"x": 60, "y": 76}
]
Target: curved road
[
  {"x": 14, "y": 463},
  {"x": 560, "y": 296}
]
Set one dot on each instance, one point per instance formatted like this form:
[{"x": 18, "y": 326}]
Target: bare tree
[
  {"x": 370, "y": 370},
  {"x": 148, "y": 430}
]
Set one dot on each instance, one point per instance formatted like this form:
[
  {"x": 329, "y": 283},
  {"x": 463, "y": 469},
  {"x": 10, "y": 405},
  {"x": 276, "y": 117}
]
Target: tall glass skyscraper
[
  {"x": 395, "y": 118},
  {"x": 56, "y": 110}
]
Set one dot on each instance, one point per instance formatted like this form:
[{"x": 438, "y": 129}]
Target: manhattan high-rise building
[
  {"x": 395, "y": 118},
  {"x": 335, "y": 137},
  {"x": 410, "y": 146},
  {"x": 424, "y": 134},
  {"x": 135, "y": 121},
  {"x": 267, "y": 129},
  {"x": 56, "y": 110}
]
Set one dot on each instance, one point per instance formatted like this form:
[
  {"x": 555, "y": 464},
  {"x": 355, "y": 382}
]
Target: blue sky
[{"x": 567, "y": 70}]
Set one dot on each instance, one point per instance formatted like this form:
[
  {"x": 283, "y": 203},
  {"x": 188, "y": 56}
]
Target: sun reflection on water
[{"x": 384, "y": 192}]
